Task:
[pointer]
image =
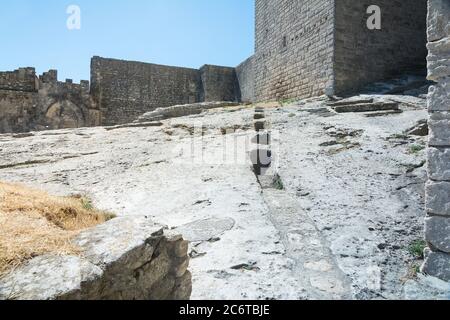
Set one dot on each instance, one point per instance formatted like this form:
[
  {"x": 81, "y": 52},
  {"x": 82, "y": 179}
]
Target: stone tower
[{"x": 306, "y": 48}]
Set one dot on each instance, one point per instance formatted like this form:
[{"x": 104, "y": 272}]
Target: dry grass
[{"x": 33, "y": 223}]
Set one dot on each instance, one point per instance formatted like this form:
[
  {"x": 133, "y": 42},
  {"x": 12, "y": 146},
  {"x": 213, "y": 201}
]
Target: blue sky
[{"x": 186, "y": 33}]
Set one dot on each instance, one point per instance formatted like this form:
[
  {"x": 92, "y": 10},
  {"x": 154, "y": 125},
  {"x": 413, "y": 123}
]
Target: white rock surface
[{"x": 360, "y": 199}]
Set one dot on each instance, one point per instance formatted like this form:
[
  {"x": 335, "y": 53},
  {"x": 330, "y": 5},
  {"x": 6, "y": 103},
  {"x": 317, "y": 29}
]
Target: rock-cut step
[
  {"x": 315, "y": 266},
  {"x": 367, "y": 107}
]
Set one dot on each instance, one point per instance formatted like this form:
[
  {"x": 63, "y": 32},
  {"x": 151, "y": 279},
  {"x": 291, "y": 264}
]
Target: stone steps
[
  {"x": 367, "y": 107},
  {"x": 373, "y": 114},
  {"x": 314, "y": 262}
]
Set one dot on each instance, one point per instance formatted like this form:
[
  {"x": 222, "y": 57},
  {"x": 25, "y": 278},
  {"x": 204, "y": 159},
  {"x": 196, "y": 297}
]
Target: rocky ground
[{"x": 343, "y": 220}]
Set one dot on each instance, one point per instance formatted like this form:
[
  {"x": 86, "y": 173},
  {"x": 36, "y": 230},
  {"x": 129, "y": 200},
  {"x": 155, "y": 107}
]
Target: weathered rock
[
  {"x": 351, "y": 101},
  {"x": 107, "y": 243},
  {"x": 262, "y": 138},
  {"x": 439, "y": 59},
  {"x": 182, "y": 110},
  {"x": 421, "y": 129},
  {"x": 162, "y": 289},
  {"x": 366, "y": 107},
  {"x": 204, "y": 230},
  {"x": 439, "y": 96},
  {"x": 126, "y": 258},
  {"x": 437, "y": 264},
  {"x": 439, "y": 164},
  {"x": 437, "y": 232},
  {"x": 438, "y": 19},
  {"x": 259, "y": 116},
  {"x": 260, "y": 125},
  {"x": 425, "y": 287},
  {"x": 49, "y": 277},
  {"x": 261, "y": 156},
  {"x": 437, "y": 198},
  {"x": 180, "y": 248},
  {"x": 437, "y": 226},
  {"x": 183, "y": 287},
  {"x": 439, "y": 133}
]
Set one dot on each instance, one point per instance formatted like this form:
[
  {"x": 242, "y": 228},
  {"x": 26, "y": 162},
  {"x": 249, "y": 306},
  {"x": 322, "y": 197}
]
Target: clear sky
[{"x": 186, "y": 33}]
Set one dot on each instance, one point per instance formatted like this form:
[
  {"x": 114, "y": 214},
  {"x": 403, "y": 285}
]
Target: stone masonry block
[
  {"x": 437, "y": 265},
  {"x": 437, "y": 232},
  {"x": 439, "y": 96},
  {"x": 439, "y": 59},
  {"x": 437, "y": 198},
  {"x": 438, "y": 19},
  {"x": 439, "y": 124},
  {"x": 439, "y": 164}
]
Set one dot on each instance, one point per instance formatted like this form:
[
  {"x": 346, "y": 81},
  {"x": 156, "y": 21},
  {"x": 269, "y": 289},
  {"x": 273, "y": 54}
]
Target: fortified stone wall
[
  {"x": 124, "y": 90},
  {"x": 246, "y": 77},
  {"x": 18, "y": 110},
  {"x": 23, "y": 79},
  {"x": 310, "y": 47},
  {"x": 28, "y": 103},
  {"x": 363, "y": 56},
  {"x": 437, "y": 228},
  {"x": 294, "y": 48},
  {"x": 66, "y": 104},
  {"x": 219, "y": 84}
]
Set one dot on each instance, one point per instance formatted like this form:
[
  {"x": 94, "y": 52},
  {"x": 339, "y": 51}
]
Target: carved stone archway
[{"x": 65, "y": 114}]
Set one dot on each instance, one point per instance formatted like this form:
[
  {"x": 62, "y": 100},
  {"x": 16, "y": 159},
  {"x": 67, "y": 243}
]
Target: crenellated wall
[
  {"x": 437, "y": 229},
  {"x": 30, "y": 103},
  {"x": 22, "y": 79}
]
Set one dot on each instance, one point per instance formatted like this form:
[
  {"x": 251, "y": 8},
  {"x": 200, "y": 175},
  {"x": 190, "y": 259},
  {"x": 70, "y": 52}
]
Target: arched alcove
[{"x": 65, "y": 114}]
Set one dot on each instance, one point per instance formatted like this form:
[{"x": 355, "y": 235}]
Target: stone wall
[
  {"x": 437, "y": 228},
  {"x": 18, "y": 110},
  {"x": 128, "y": 258},
  {"x": 246, "y": 78},
  {"x": 363, "y": 56},
  {"x": 309, "y": 47},
  {"x": 219, "y": 84},
  {"x": 23, "y": 79},
  {"x": 66, "y": 104},
  {"x": 124, "y": 90},
  {"x": 44, "y": 103},
  {"x": 294, "y": 48}
]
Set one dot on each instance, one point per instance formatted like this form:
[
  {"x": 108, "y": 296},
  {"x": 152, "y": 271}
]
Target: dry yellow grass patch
[{"x": 33, "y": 223}]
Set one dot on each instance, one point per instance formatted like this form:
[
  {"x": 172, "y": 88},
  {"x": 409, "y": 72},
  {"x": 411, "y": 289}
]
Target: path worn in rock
[{"x": 351, "y": 205}]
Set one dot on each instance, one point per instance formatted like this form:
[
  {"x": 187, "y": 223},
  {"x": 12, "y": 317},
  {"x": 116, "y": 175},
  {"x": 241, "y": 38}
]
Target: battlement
[
  {"x": 50, "y": 78},
  {"x": 22, "y": 79}
]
